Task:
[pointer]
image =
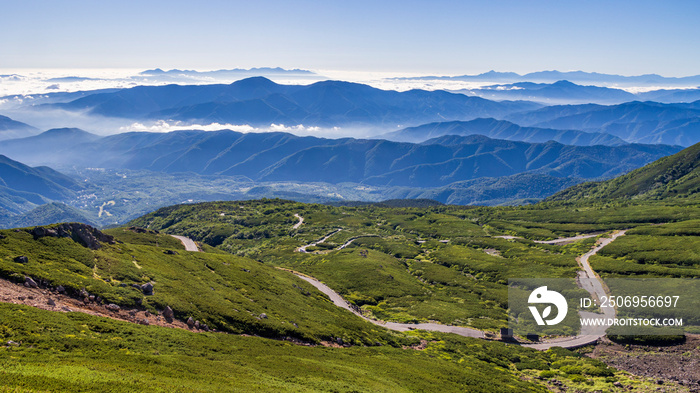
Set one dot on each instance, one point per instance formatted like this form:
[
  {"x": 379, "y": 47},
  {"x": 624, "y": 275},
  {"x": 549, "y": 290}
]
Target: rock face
[
  {"x": 21, "y": 259},
  {"x": 168, "y": 314},
  {"x": 147, "y": 289},
  {"x": 190, "y": 322},
  {"x": 80, "y": 233}
]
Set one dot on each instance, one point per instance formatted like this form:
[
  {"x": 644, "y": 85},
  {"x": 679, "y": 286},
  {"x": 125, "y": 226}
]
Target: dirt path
[
  {"x": 303, "y": 248},
  {"x": 353, "y": 239},
  {"x": 301, "y": 221},
  {"x": 559, "y": 241},
  {"x": 189, "y": 244},
  {"x": 567, "y": 240},
  {"x": 594, "y": 285},
  {"x": 402, "y": 327}
]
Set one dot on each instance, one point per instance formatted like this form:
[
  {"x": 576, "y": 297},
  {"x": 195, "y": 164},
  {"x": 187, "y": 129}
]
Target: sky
[{"x": 402, "y": 37}]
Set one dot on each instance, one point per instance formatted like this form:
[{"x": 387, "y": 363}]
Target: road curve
[
  {"x": 298, "y": 224},
  {"x": 594, "y": 285},
  {"x": 303, "y": 248},
  {"x": 189, "y": 244},
  {"x": 402, "y": 327}
]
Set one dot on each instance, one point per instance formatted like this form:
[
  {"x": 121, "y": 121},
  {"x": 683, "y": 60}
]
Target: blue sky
[{"x": 436, "y": 37}]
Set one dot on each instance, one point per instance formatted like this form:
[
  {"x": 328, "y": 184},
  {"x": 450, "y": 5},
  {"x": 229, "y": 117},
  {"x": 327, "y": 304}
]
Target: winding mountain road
[
  {"x": 589, "y": 281},
  {"x": 402, "y": 327}
]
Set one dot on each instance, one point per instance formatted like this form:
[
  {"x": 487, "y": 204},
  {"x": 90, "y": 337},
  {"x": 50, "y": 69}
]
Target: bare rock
[
  {"x": 190, "y": 322},
  {"x": 147, "y": 289},
  {"x": 143, "y": 321},
  {"x": 80, "y": 233},
  {"x": 51, "y": 302},
  {"x": 197, "y": 325},
  {"x": 60, "y": 289},
  {"x": 263, "y": 316},
  {"x": 29, "y": 283},
  {"x": 170, "y": 252},
  {"x": 168, "y": 314},
  {"x": 112, "y": 307},
  {"x": 21, "y": 259}
]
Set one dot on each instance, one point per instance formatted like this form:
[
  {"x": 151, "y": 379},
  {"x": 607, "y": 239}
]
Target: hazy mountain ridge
[
  {"x": 10, "y": 129},
  {"x": 259, "y": 101},
  {"x": 578, "y": 77},
  {"x": 23, "y": 188},
  {"x": 640, "y": 122},
  {"x": 285, "y": 157},
  {"x": 558, "y": 92},
  {"x": 501, "y": 129}
]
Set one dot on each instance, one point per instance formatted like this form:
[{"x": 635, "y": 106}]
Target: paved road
[{"x": 189, "y": 244}]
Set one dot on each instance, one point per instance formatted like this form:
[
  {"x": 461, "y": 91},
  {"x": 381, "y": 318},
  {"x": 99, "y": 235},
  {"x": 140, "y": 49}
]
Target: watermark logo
[{"x": 542, "y": 295}]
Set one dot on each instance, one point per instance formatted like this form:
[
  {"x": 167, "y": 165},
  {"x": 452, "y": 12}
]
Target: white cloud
[{"x": 168, "y": 126}]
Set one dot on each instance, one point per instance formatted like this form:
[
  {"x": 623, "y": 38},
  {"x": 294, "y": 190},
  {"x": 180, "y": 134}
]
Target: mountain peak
[{"x": 255, "y": 81}]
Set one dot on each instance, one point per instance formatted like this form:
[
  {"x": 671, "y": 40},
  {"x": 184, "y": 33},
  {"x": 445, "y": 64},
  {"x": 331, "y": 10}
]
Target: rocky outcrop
[
  {"x": 147, "y": 289},
  {"x": 113, "y": 307},
  {"x": 80, "y": 233},
  {"x": 21, "y": 259},
  {"x": 168, "y": 314},
  {"x": 30, "y": 283},
  {"x": 190, "y": 322}
]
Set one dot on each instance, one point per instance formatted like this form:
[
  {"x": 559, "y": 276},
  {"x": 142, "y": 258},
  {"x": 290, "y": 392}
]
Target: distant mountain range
[
  {"x": 11, "y": 129},
  {"x": 285, "y": 157},
  {"x": 261, "y": 102},
  {"x": 578, "y": 77},
  {"x": 234, "y": 71},
  {"x": 501, "y": 129},
  {"x": 560, "y": 92},
  {"x": 636, "y": 122},
  {"x": 23, "y": 188},
  {"x": 565, "y": 92}
]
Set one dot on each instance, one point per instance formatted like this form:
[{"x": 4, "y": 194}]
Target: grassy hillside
[
  {"x": 79, "y": 352},
  {"x": 229, "y": 293},
  {"x": 440, "y": 263},
  {"x": 676, "y": 176}
]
